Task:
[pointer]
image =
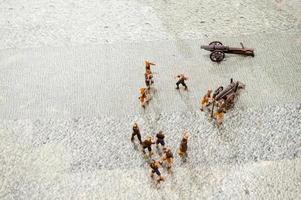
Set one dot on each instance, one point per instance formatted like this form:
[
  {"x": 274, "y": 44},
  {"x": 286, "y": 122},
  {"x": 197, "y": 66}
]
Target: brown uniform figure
[
  {"x": 206, "y": 100},
  {"x": 143, "y": 97},
  {"x": 182, "y": 151},
  {"x": 155, "y": 169},
  {"x": 219, "y": 116},
  {"x": 147, "y": 144},
  {"x": 148, "y": 65},
  {"x": 136, "y": 132},
  {"x": 167, "y": 158},
  {"x": 148, "y": 79},
  {"x": 160, "y": 138},
  {"x": 181, "y": 80}
]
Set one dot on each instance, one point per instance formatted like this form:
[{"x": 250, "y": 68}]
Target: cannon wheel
[
  {"x": 215, "y": 43},
  {"x": 217, "y": 56}
]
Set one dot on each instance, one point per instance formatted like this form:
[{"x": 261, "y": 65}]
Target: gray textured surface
[
  {"x": 105, "y": 79},
  {"x": 68, "y": 98},
  {"x": 30, "y": 23}
]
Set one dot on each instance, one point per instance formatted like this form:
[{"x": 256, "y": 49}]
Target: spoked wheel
[
  {"x": 217, "y": 56},
  {"x": 215, "y": 43}
]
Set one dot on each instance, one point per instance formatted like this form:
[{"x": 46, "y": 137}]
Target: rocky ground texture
[{"x": 70, "y": 75}]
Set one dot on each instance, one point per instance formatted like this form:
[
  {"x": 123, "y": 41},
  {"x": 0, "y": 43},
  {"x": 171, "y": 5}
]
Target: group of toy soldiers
[
  {"x": 145, "y": 91},
  {"x": 148, "y": 76},
  {"x": 167, "y": 157}
]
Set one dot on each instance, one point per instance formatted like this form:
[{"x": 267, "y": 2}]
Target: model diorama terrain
[{"x": 116, "y": 99}]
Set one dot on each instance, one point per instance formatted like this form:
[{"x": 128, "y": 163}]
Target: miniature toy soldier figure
[
  {"x": 181, "y": 80},
  {"x": 155, "y": 169},
  {"x": 160, "y": 138},
  {"x": 182, "y": 151},
  {"x": 136, "y": 132},
  {"x": 143, "y": 97},
  {"x": 148, "y": 64},
  {"x": 147, "y": 143},
  {"x": 219, "y": 116},
  {"x": 206, "y": 100},
  {"x": 148, "y": 79},
  {"x": 168, "y": 158}
]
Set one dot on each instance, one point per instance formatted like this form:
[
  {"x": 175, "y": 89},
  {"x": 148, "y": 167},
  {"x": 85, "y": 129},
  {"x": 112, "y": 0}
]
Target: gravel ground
[
  {"x": 70, "y": 73},
  {"x": 86, "y": 157}
]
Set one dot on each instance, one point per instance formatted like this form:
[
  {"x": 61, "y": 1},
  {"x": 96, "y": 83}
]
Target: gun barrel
[
  {"x": 206, "y": 47},
  {"x": 226, "y": 91},
  {"x": 215, "y": 47}
]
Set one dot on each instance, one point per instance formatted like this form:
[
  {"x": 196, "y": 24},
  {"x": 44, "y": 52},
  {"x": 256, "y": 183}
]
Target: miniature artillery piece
[
  {"x": 224, "y": 98},
  {"x": 218, "y": 50}
]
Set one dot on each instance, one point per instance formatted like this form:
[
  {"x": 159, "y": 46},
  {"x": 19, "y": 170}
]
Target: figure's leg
[
  {"x": 152, "y": 173},
  {"x": 139, "y": 138},
  {"x": 178, "y": 85},
  {"x": 132, "y": 138},
  {"x": 184, "y": 84}
]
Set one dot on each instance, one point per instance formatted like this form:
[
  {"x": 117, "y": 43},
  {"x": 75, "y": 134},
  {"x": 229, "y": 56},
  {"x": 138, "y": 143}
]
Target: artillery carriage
[
  {"x": 218, "y": 50},
  {"x": 224, "y": 98}
]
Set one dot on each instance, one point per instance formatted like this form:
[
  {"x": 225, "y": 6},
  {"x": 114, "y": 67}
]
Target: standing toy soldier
[
  {"x": 181, "y": 80},
  {"x": 160, "y": 138},
  {"x": 143, "y": 96},
  {"x": 147, "y": 143},
  {"x": 155, "y": 169},
  {"x": 148, "y": 79},
  {"x": 206, "y": 100},
  {"x": 219, "y": 116},
  {"x": 148, "y": 64},
  {"x": 168, "y": 158},
  {"x": 136, "y": 132},
  {"x": 182, "y": 151}
]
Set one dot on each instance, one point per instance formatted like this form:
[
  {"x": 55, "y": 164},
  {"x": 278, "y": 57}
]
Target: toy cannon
[
  {"x": 225, "y": 98},
  {"x": 218, "y": 50}
]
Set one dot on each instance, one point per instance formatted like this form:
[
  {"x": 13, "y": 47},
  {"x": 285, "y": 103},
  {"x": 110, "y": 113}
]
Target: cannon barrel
[
  {"x": 215, "y": 47},
  {"x": 231, "y": 88}
]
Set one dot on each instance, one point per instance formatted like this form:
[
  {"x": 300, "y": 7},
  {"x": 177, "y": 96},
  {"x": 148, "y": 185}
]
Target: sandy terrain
[{"x": 70, "y": 74}]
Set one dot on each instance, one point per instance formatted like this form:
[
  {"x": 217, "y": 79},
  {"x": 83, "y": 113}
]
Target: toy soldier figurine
[
  {"x": 160, "y": 138},
  {"x": 148, "y": 64},
  {"x": 148, "y": 79},
  {"x": 147, "y": 143},
  {"x": 181, "y": 80},
  {"x": 219, "y": 116},
  {"x": 182, "y": 151},
  {"x": 168, "y": 158},
  {"x": 136, "y": 132},
  {"x": 206, "y": 100},
  {"x": 143, "y": 97},
  {"x": 155, "y": 169}
]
